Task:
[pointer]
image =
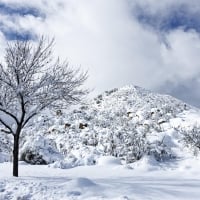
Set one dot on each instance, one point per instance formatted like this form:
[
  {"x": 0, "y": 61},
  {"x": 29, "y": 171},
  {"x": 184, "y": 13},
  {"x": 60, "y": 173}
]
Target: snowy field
[{"x": 144, "y": 180}]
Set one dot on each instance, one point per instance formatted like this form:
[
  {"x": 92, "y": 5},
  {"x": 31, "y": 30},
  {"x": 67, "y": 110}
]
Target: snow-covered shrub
[
  {"x": 5, "y": 147},
  {"x": 39, "y": 150},
  {"x": 134, "y": 146},
  {"x": 191, "y": 139},
  {"x": 160, "y": 151},
  {"x": 73, "y": 160},
  {"x": 124, "y": 142},
  {"x": 5, "y": 143},
  {"x": 33, "y": 157}
]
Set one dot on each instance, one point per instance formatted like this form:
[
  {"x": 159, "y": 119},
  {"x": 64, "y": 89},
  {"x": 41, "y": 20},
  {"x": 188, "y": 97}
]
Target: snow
[
  {"x": 126, "y": 144},
  {"x": 147, "y": 180},
  {"x": 108, "y": 160},
  {"x": 4, "y": 157}
]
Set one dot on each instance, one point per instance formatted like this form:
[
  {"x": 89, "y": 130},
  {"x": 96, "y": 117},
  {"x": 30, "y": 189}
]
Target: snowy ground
[
  {"x": 116, "y": 116},
  {"x": 107, "y": 180}
]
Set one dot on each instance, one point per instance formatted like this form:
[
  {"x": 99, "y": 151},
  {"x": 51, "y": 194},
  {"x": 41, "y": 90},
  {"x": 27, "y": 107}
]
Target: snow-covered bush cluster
[
  {"x": 128, "y": 123},
  {"x": 39, "y": 150},
  {"x": 191, "y": 139}
]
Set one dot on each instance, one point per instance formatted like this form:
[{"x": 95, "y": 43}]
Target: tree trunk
[{"x": 15, "y": 155}]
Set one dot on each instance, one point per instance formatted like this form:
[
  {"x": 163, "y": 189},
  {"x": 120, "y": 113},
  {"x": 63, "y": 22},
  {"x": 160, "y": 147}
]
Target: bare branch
[
  {"x": 28, "y": 119},
  {"x": 7, "y": 126},
  {"x": 5, "y": 131},
  {"x": 10, "y": 114}
]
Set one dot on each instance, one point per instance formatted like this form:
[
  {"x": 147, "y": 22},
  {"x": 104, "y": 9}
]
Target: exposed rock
[{"x": 82, "y": 126}]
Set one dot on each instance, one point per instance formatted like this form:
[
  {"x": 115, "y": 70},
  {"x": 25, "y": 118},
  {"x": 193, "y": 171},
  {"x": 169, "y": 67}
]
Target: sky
[{"x": 149, "y": 43}]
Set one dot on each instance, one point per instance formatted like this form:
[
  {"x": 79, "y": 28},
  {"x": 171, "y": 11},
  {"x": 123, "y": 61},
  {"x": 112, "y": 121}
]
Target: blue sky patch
[
  {"x": 14, "y": 35},
  {"x": 11, "y": 34},
  {"x": 171, "y": 19},
  {"x": 13, "y": 9}
]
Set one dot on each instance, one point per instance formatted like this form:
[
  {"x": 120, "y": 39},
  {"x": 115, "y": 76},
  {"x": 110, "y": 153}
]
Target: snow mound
[
  {"x": 109, "y": 161},
  {"x": 147, "y": 163},
  {"x": 82, "y": 182},
  {"x": 62, "y": 164}
]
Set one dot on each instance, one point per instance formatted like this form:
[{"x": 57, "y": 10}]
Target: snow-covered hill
[
  {"x": 156, "y": 139},
  {"x": 129, "y": 123}
]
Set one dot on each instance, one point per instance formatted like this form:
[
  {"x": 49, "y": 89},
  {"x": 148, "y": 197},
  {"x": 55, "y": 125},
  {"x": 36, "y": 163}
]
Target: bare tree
[{"x": 30, "y": 81}]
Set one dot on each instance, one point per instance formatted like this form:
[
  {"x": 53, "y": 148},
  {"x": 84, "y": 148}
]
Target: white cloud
[{"x": 182, "y": 59}]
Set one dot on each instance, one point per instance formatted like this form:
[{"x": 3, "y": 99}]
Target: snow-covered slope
[{"x": 129, "y": 123}]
